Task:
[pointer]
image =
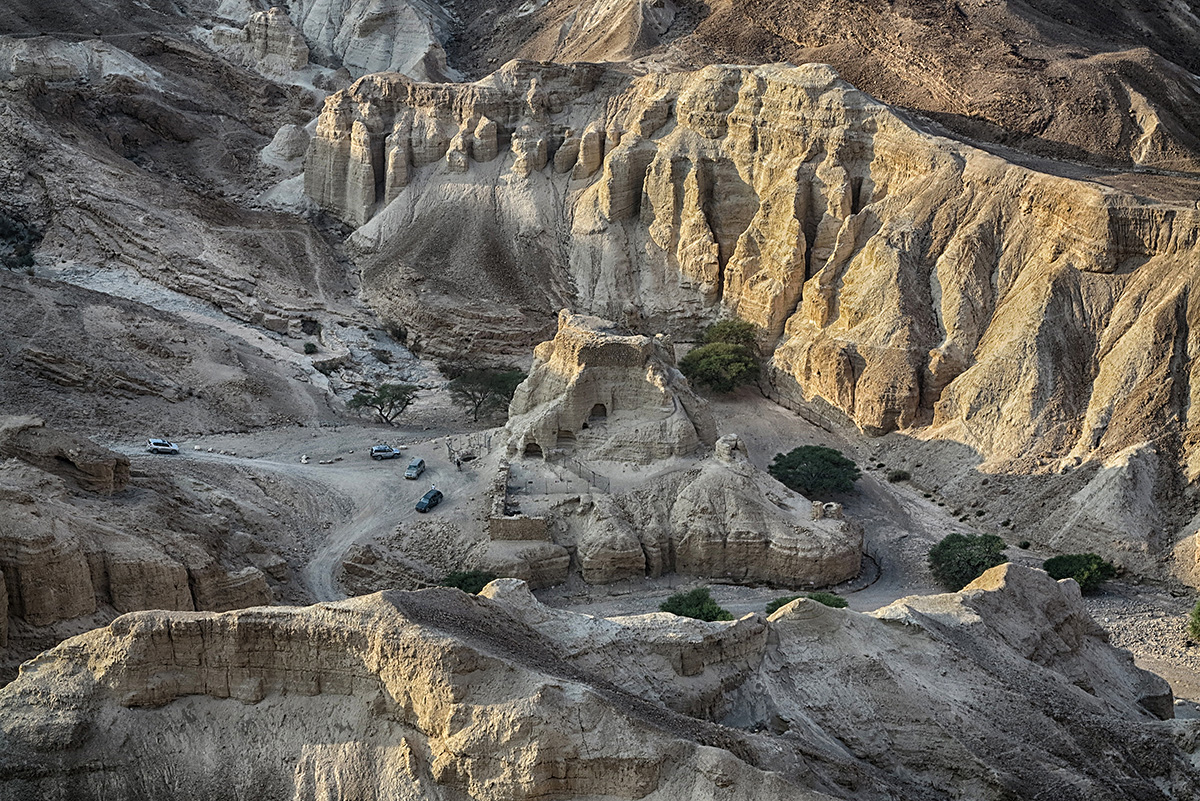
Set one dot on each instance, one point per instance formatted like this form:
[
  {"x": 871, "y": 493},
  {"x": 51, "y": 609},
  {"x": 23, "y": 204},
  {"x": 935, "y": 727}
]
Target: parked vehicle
[
  {"x": 429, "y": 500},
  {"x": 384, "y": 452},
  {"x": 415, "y": 468},
  {"x": 155, "y": 445}
]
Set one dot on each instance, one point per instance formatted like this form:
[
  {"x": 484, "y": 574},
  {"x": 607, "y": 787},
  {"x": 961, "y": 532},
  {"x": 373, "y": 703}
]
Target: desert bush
[
  {"x": 959, "y": 559},
  {"x": 1088, "y": 569},
  {"x": 310, "y": 348},
  {"x": 727, "y": 358},
  {"x": 898, "y": 475},
  {"x": 720, "y": 366},
  {"x": 1024, "y": 545},
  {"x": 697, "y": 603},
  {"x": 731, "y": 332},
  {"x": 779, "y": 603},
  {"x": 814, "y": 470},
  {"x": 1194, "y": 622},
  {"x": 471, "y": 581},
  {"x": 829, "y": 599}
]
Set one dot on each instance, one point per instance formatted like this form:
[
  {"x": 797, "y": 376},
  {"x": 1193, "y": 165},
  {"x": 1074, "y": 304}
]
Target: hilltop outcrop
[
  {"x": 452, "y": 693},
  {"x": 722, "y": 518},
  {"x": 615, "y": 395}
]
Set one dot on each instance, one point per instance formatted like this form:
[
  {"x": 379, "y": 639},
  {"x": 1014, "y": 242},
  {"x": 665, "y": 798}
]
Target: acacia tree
[
  {"x": 388, "y": 400},
  {"x": 483, "y": 390},
  {"x": 814, "y": 470}
]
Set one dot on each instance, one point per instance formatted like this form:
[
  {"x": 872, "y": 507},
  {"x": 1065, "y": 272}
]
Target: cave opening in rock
[
  {"x": 599, "y": 412},
  {"x": 533, "y": 449}
]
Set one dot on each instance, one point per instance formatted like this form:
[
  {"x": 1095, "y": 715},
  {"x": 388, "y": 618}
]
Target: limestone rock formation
[
  {"x": 899, "y": 276},
  {"x": 614, "y": 395},
  {"x": 722, "y": 519},
  {"x": 377, "y": 35},
  {"x": 124, "y": 544},
  {"x": 269, "y": 42},
  {"x": 450, "y": 693},
  {"x": 91, "y": 466}
]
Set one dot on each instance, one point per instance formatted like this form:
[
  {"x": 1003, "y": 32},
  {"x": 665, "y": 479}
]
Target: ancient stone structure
[{"x": 612, "y": 394}]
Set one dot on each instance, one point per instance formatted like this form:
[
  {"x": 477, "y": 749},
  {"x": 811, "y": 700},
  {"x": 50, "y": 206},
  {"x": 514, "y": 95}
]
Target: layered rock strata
[
  {"x": 616, "y": 395},
  {"x": 905, "y": 279},
  {"x": 418, "y": 695},
  {"x": 722, "y": 519},
  {"x": 63, "y": 556}
]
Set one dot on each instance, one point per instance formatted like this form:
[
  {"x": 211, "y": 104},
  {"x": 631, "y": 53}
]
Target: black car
[{"x": 429, "y": 500}]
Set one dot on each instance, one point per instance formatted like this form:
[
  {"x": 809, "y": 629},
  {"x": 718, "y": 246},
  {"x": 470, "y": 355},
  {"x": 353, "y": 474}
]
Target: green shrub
[
  {"x": 1089, "y": 569},
  {"x": 1194, "y": 622},
  {"x": 732, "y": 332},
  {"x": 814, "y": 470},
  {"x": 1024, "y": 545},
  {"x": 697, "y": 603},
  {"x": 779, "y": 603},
  {"x": 720, "y": 366},
  {"x": 471, "y": 581},
  {"x": 829, "y": 599},
  {"x": 898, "y": 475},
  {"x": 959, "y": 559},
  {"x": 310, "y": 348}
]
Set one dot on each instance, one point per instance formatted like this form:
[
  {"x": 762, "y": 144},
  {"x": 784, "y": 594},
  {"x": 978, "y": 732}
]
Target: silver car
[
  {"x": 415, "y": 468},
  {"x": 154, "y": 445}
]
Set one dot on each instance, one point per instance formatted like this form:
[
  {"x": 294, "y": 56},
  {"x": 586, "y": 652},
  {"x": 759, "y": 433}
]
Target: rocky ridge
[{"x": 467, "y": 695}]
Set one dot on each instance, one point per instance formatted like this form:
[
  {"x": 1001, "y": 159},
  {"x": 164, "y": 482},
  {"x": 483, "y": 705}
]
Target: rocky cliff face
[
  {"x": 904, "y": 278},
  {"x": 467, "y": 695},
  {"x": 614, "y": 395},
  {"x": 79, "y": 536}
]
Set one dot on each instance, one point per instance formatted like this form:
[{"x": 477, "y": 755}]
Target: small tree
[
  {"x": 697, "y": 603},
  {"x": 720, "y": 366},
  {"x": 959, "y": 559},
  {"x": 1194, "y": 622},
  {"x": 389, "y": 401},
  {"x": 471, "y": 581},
  {"x": 1088, "y": 569},
  {"x": 483, "y": 390},
  {"x": 814, "y": 470}
]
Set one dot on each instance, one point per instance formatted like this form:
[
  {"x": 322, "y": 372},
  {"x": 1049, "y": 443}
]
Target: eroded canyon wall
[{"x": 907, "y": 279}]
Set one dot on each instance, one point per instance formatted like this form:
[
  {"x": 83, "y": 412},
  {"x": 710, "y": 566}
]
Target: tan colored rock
[
  {"x": 364, "y": 36},
  {"x": 484, "y": 146},
  {"x": 724, "y": 520},
  {"x": 409, "y": 695},
  {"x": 140, "y": 577},
  {"x": 216, "y": 589},
  {"x": 530, "y": 150},
  {"x": 617, "y": 396},
  {"x": 46, "y": 569},
  {"x": 540, "y": 564},
  {"x": 90, "y": 466}
]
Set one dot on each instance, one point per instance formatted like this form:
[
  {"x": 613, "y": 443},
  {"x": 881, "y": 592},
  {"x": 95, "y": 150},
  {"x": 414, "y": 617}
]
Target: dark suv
[{"x": 429, "y": 500}]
